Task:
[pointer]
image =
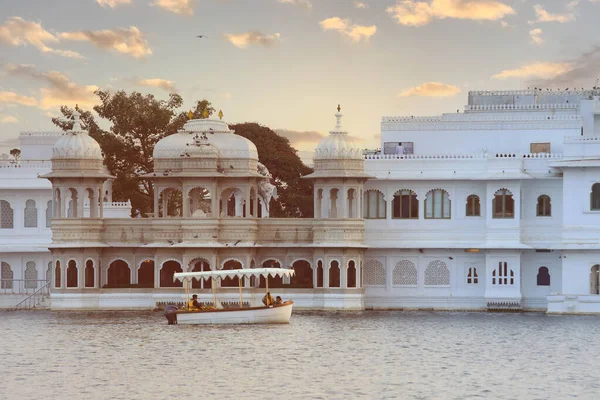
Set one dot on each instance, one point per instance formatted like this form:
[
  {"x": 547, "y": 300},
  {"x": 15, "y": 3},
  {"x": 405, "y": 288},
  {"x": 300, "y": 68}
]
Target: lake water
[{"x": 322, "y": 355}]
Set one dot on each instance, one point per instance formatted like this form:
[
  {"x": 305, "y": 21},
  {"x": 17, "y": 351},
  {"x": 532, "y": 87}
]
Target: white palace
[{"x": 493, "y": 208}]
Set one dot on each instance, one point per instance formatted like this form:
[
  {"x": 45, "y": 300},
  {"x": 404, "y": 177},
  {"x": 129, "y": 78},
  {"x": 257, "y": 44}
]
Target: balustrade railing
[
  {"x": 35, "y": 298},
  {"x": 21, "y": 286},
  {"x": 449, "y": 157}
]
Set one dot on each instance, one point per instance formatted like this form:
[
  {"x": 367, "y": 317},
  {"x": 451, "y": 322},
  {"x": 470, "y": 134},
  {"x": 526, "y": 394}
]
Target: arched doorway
[
  {"x": 595, "y": 279},
  {"x": 146, "y": 274},
  {"x": 166, "y": 274},
  {"x": 89, "y": 274},
  {"x": 274, "y": 282},
  {"x": 199, "y": 266},
  {"x": 334, "y": 274},
  {"x": 351, "y": 274},
  {"x": 231, "y": 265},
  {"x": 303, "y": 278},
  {"x": 119, "y": 275},
  {"x": 72, "y": 274}
]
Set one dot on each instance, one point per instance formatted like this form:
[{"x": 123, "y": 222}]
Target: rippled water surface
[{"x": 410, "y": 355}]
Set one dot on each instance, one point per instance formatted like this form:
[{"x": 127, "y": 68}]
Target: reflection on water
[{"x": 410, "y": 355}]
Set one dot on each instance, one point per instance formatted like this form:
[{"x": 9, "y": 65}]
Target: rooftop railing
[
  {"x": 21, "y": 286},
  {"x": 480, "y": 156},
  {"x": 526, "y": 107},
  {"x": 12, "y": 164}
]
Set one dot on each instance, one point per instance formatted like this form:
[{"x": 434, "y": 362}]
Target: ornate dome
[
  {"x": 216, "y": 136},
  {"x": 76, "y": 144},
  {"x": 338, "y": 145}
]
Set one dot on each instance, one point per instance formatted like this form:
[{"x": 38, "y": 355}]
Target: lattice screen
[
  {"x": 30, "y": 214},
  {"x": 49, "y": 271},
  {"x": 405, "y": 273},
  {"x": 437, "y": 274},
  {"x": 6, "y": 275},
  {"x": 30, "y": 275},
  {"x": 6, "y": 215},
  {"x": 374, "y": 273}
]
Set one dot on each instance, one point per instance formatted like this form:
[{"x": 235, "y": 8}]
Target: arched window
[
  {"x": 405, "y": 205},
  {"x": 31, "y": 275},
  {"x": 72, "y": 274},
  {"x": 437, "y": 204},
  {"x": 6, "y": 215},
  {"x": 503, "y": 275},
  {"x": 404, "y": 274},
  {"x": 334, "y": 274},
  {"x": 89, "y": 274},
  {"x": 118, "y": 275},
  {"x": 472, "y": 277},
  {"x": 373, "y": 205},
  {"x": 320, "y": 274},
  {"x": 595, "y": 197},
  {"x": 543, "y": 277},
  {"x": 473, "y": 206},
  {"x": 303, "y": 278},
  {"x": 6, "y": 276},
  {"x": 543, "y": 206},
  {"x": 30, "y": 214},
  {"x": 351, "y": 203},
  {"x": 57, "y": 277},
  {"x": 333, "y": 196},
  {"x": 503, "y": 204},
  {"x": 374, "y": 273},
  {"x": 49, "y": 214},
  {"x": 595, "y": 279},
  {"x": 166, "y": 274},
  {"x": 437, "y": 274},
  {"x": 351, "y": 274}
]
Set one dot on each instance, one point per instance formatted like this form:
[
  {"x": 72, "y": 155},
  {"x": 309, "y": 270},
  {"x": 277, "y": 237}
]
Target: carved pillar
[
  {"x": 185, "y": 206},
  {"x": 156, "y": 196},
  {"x": 255, "y": 204},
  {"x": 100, "y": 201},
  {"x": 165, "y": 202},
  {"x": 214, "y": 201}
]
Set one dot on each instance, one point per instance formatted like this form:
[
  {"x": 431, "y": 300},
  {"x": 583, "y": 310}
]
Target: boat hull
[{"x": 279, "y": 314}]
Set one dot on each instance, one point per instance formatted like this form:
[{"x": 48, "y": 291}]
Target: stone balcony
[
  {"x": 207, "y": 232},
  {"x": 490, "y": 166}
]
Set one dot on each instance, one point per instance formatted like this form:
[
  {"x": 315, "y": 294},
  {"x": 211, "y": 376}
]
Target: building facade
[{"x": 493, "y": 208}]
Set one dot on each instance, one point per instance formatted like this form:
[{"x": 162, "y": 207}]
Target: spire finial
[
  {"x": 190, "y": 115},
  {"x": 76, "y": 123},
  {"x": 205, "y": 113},
  {"x": 220, "y": 114},
  {"x": 339, "y": 108},
  {"x": 338, "y": 116}
]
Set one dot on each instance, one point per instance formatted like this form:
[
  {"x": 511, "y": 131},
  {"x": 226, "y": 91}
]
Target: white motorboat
[{"x": 217, "y": 314}]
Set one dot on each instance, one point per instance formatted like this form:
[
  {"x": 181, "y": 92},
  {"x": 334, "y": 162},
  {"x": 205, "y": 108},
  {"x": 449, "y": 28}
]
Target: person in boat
[
  {"x": 268, "y": 299},
  {"x": 278, "y": 300},
  {"x": 193, "y": 303}
]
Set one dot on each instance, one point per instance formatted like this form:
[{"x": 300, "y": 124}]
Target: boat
[{"x": 217, "y": 313}]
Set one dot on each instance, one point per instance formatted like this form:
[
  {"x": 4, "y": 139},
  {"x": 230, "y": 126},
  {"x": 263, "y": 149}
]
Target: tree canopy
[
  {"x": 136, "y": 122},
  {"x": 295, "y": 195}
]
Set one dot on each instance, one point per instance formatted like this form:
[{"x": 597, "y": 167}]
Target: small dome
[
  {"x": 76, "y": 144},
  {"x": 338, "y": 145},
  {"x": 218, "y": 136}
]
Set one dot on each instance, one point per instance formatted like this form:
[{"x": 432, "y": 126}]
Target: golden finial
[
  {"x": 205, "y": 113},
  {"x": 190, "y": 115},
  {"x": 220, "y": 114},
  {"x": 339, "y": 108}
]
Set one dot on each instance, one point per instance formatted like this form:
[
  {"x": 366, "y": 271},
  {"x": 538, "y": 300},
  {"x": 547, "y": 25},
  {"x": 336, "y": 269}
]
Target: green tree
[
  {"x": 295, "y": 195},
  {"x": 136, "y": 122}
]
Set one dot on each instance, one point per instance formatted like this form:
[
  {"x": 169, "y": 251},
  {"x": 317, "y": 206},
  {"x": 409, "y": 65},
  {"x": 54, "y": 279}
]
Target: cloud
[
  {"x": 360, "y": 4},
  {"x": 431, "y": 89},
  {"x": 345, "y": 27},
  {"x": 184, "y": 7},
  {"x": 8, "y": 119},
  {"x": 544, "y": 16},
  {"x": 112, "y": 3},
  {"x": 18, "y": 32},
  {"x": 14, "y": 98},
  {"x": 419, "y": 13},
  {"x": 243, "y": 40},
  {"x": 167, "y": 85},
  {"x": 535, "y": 35},
  {"x": 543, "y": 70},
  {"x": 303, "y": 3},
  {"x": 59, "y": 89},
  {"x": 126, "y": 41},
  {"x": 301, "y": 139},
  {"x": 582, "y": 71}
]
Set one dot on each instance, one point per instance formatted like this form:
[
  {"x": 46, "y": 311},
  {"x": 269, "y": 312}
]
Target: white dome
[
  {"x": 218, "y": 136},
  {"x": 76, "y": 144},
  {"x": 338, "y": 145}
]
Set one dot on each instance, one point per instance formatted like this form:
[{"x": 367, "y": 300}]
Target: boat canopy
[{"x": 234, "y": 273}]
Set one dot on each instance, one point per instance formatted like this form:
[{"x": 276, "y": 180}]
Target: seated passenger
[
  {"x": 278, "y": 300},
  {"x": 193, "y": 304},
  {"x": 268, "y": 300}
]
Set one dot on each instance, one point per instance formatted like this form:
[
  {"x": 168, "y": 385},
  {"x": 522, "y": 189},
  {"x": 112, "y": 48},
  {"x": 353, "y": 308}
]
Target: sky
[{"x": 287, "y": 64}]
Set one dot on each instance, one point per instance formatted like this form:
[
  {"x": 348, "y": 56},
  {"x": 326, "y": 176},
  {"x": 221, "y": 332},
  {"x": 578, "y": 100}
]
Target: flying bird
[{"x": 200, "y": 36}]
